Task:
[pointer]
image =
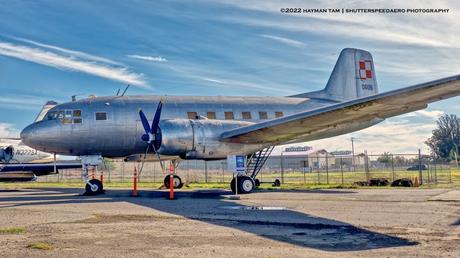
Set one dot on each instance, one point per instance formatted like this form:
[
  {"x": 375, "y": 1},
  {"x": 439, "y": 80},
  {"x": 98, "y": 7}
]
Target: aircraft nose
[{"x": 27, "y": 135}]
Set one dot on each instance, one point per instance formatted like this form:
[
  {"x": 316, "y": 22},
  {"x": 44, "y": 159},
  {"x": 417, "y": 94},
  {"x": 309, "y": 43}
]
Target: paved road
[{"x": 328, "y": 223}]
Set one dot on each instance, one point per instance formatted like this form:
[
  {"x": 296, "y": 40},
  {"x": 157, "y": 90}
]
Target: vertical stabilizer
[{"x": 353, "y": 77}]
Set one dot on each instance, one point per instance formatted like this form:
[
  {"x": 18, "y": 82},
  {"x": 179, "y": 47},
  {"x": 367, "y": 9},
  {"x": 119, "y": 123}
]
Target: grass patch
[
  {"x": 40, "y": 246},
  {"x": 15, "y": 230}
]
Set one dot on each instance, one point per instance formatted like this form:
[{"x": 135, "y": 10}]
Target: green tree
[
  {"x": 444, "y": 143},
  {"x": 385, "y": 158}
]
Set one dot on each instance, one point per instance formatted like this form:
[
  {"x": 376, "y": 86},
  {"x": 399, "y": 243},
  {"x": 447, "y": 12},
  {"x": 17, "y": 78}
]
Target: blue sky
[{"x": 55, "y": 49}]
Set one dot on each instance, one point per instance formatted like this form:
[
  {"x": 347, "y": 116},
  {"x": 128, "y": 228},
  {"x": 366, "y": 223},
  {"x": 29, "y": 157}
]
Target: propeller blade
[
  {"x": 145, "y": 123},
  {"x": 156, "y": 118},
  {"x": 159, "y": 158},
  {"x": 143, "y": 160}
]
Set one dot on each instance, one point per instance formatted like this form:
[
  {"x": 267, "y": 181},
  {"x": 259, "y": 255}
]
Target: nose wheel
[
  {"x": 177, "y": 182},
  {"x": 94, "y": 187}
]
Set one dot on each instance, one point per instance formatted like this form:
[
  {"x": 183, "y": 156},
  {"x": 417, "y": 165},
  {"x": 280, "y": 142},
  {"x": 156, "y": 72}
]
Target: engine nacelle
[{"x": 199, "y": 139}]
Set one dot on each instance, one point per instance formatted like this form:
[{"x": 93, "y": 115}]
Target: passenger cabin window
[
  {"x": 192, "y": 115},
  {"x": 246, "y": 115},
  {"x": 263, "y": 115},
  {"x": 229, "y": 115},
  {"x": 211, "y": 115},
  {"x": 279, "y": 114},
  {"x": 101, "y": 116},
  {"x": 77, "y": 116}
]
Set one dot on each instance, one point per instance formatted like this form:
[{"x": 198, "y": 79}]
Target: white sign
[{"x": 236, "y": 163}]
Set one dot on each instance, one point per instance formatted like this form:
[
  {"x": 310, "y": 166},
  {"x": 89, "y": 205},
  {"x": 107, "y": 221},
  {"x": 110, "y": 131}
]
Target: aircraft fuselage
[{"x": 111, "y": 127}]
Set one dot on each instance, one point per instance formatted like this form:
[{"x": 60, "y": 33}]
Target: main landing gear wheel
[
  {"x": 95, "y": 188},
  {"x": 245, "y": 185},
  {"x": 177, "y": 182}
]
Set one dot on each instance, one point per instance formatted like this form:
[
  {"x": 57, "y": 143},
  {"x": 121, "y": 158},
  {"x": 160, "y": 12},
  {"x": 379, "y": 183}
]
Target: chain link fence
[{"x": 324, "y": 169}]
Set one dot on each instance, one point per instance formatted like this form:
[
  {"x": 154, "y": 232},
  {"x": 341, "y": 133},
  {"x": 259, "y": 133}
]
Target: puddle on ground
[{"x": 265, "y": 208}]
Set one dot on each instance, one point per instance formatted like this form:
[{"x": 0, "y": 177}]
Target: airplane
[
  {"x": 214, "y": 127},
  {"x": 14, "y": 151}
]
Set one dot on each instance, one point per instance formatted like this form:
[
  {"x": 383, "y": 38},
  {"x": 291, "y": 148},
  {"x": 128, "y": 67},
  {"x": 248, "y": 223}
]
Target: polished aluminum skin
[
  {"x": 120, "y": 135},
  {"x": 349, "y": 102}
]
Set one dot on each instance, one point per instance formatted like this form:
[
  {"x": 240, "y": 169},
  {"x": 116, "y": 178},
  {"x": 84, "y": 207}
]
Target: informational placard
[{"x": 236, "y": 163}]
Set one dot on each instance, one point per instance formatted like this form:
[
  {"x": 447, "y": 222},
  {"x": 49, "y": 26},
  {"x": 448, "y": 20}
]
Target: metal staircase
[{"x": 256, "y": 161}]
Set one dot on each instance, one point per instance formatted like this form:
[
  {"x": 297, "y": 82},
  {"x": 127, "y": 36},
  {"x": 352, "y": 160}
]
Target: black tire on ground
[
  {"x": 232, "y": 185},
  {"x": 257, "y": 181},
  {"x": 277, "y": 182},
  {"x": 97, "y": 188},
  {"x": 245, "y": 185},
  {"x": 177, "y": 182}
]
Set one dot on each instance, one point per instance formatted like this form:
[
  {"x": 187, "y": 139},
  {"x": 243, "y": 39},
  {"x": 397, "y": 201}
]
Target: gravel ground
[{"x": 203, "y": 223}]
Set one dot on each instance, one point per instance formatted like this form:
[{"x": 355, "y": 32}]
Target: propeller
[{"x": 152, "y": 134}]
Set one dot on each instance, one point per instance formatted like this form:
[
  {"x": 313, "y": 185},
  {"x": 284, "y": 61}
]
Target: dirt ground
[{"x": 203, "y": 223}]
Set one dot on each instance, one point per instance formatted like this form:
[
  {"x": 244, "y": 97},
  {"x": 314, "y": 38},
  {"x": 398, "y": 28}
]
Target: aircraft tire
[
  {"x": 97, "y": 188},
  {"x": 177, "y": 182},
  {"x": 245, "y": 185}
]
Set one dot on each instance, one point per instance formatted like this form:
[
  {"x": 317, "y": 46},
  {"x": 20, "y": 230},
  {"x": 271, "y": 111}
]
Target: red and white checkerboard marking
[{"x": 365, "y": 69}]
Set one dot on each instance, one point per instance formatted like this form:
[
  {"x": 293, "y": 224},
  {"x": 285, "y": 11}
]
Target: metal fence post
[
  {"x": 317, "y": 161},
  {"x": 392, "y": 168},
  {"x": 122, "y": 171},
  {"x": 435, "y": 173},
  {"x": 282, "y": 168},
  {"x": 327, "y": 169},
  {"x": 304, "y": 176},
  {"x": 366, "y": 165},
  {"x": 420, "y": 167},
  {"x": 205, "y": 171},
  {"x": 341, "y": 167}
]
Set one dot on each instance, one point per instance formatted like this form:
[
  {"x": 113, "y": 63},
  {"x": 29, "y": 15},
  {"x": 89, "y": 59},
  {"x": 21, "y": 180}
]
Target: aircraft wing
[
  {"x": 317, "y": 123},
  {"x": 37, "y": 169}
]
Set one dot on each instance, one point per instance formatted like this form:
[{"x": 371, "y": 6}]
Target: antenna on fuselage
[
  {"x": 118, "y": 92},
  {"x": 127, "y": 87}
]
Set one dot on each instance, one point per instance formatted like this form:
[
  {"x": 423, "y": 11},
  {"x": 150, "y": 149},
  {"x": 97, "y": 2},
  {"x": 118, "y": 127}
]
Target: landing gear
[
  {"x": 245, "y": 184},
  {"x": 94, "y": 187},
  {"x": 177, "y": 182}
]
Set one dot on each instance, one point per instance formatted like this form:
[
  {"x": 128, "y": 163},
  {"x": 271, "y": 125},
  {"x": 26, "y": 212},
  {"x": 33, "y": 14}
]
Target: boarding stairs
[{"x": 256, "y": 161}]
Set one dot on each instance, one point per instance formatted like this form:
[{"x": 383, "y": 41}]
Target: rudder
[{"x": 353, "y": 77}]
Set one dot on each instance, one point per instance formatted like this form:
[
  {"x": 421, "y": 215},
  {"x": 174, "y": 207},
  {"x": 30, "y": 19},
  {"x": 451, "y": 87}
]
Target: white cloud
[
  {"x": 212, "y": 80},
  {"x": 148, "y": 58},
  {"x": 60, "y": 61},
  {"x": 287, "y": 41},
  {"x": 410, "y": 29},
  {"x": 393, "y": 135},
  {"x": 70, "y": 52},
  {"x": 432, "y": 114},
  {"x": 8, "y": 131}
]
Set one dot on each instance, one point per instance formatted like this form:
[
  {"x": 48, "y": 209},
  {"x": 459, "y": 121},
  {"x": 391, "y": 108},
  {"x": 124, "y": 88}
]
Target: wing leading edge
[{"x": 346, "y": 116}]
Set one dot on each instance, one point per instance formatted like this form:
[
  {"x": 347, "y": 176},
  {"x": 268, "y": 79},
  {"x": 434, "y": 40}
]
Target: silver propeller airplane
[{"x": 210, "y": 128}]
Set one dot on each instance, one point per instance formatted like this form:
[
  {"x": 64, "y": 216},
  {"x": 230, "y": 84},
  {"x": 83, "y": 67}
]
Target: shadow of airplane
[{"x": 210, "y": 206}]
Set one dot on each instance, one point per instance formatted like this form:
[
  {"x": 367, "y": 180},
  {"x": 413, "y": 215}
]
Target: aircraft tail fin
[
  {"x": 353, "y": 77},
  {"x": 48, "y": 105}
]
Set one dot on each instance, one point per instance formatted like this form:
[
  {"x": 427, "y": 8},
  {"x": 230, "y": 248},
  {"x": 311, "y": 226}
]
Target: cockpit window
[
  {"x": 51, "y": 115},
  {"x": 67, "y": 116}
]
